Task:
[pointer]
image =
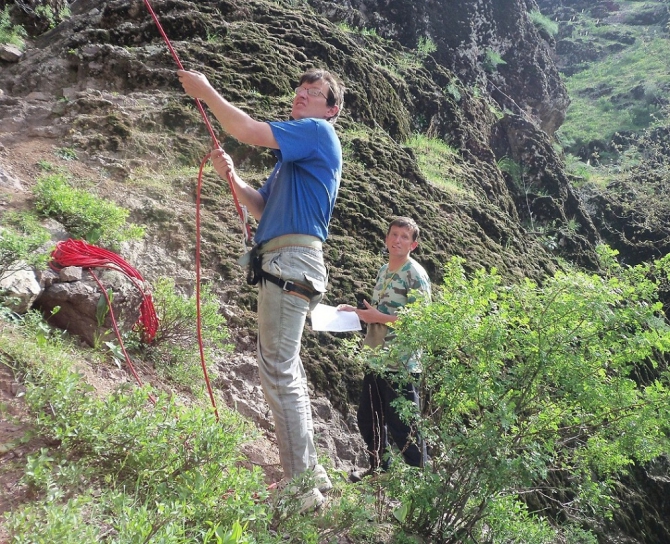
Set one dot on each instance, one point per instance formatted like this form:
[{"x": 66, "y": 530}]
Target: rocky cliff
[
  {"x": 103, "y": 83},
  {"x": 476, "y": 74}
]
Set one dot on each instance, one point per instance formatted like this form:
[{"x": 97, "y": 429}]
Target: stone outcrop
[
  {"x": 470, "y": 38},
  {"x": 19, "y": 288},
  {"x": 72, "y": 300}
]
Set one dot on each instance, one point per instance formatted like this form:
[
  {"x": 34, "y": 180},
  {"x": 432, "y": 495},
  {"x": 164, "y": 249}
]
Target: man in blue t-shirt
[{"x": 293, "y": 208}]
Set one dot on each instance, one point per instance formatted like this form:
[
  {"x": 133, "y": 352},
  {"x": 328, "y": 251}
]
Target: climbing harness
[{"x": 255, "y": 272}]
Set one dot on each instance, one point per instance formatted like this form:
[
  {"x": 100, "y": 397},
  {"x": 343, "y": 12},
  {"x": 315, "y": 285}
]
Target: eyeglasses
[{"x": 313, "y": 91}]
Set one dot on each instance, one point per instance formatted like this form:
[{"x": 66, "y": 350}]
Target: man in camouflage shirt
[{"x": 377, "y": 419}]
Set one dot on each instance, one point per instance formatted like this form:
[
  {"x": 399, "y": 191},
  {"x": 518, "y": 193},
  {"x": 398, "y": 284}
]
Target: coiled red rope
[{"x": 80, "y": 253}]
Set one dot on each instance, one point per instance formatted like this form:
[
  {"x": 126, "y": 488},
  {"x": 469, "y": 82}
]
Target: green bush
[
  {"x": 83, "y": 214},
  {"x": 542, "y": 22},
  {"x": 175, "y": 350},
  {"x": 529, "y": 394},
  {"x": 426, "y": 46},
  {"x": 21, "y": 244},
  {"x": 9, "y": 33}
]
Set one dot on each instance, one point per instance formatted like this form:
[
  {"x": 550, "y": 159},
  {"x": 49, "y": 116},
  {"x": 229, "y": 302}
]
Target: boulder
[
  {"x": 79, "y": 306},
  {"x": 19, "y": 289},
  {"x": 10, "y": 53}
]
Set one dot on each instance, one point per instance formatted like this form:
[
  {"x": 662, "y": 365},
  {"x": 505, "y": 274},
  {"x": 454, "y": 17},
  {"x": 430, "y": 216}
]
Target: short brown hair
[
  {"x": 335, "y": 88},
  {"x": 405, "y": 222}
]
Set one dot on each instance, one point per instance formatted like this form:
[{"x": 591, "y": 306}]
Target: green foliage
[
  {"x": 56, "y": 522},
  {"x": 175, "y": 349},
  {"x": 345, "y": 27},
  {"x": 438, "y": 162},
  {"x": 492, "y": 59},
  {"x": 542, "y": 22},
  {"x": 51, "y": 17},
  {"x": 512, "y": 168},
  {"x": 426, "y": 46},
  {"x": 602, "y": 102},
  {"x": 21, "y": 244},
  {"x": 454, "y": 91},
  {"x": 83, "y": 214},
  {"x": 66, "y": 153},
  {"x": 9, "y": 33},
  {"x": 532, "y": 392},
  {"x": 165, "y": 471}
]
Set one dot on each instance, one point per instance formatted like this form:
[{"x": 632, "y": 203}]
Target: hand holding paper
[{"x": 328, "y": 318}]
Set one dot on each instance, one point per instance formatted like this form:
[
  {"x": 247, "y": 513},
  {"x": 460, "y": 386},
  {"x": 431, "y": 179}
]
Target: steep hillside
[
  {"x": 97, "y": 96},
  {"x": 103, "y": 84},
  {"x": 613, "y": 56}
]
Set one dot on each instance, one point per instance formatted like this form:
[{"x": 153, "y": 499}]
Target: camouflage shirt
[{"x": 392, "y": 292}]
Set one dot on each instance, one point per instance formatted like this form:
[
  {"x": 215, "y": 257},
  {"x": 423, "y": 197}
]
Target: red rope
[
  {"x": 197, "y": 290},
  {"x": 79, "y": 253},
  {"x": 246, "y": 228}
]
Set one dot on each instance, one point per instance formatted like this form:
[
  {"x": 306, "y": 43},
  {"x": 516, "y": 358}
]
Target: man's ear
[
  {"x": 414, "y": 245},
  {"x": 332, "y": 111}
]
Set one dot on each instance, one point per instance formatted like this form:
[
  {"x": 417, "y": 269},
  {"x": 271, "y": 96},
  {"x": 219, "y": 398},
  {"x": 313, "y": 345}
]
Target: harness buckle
[{"x": 288, "y": 286}]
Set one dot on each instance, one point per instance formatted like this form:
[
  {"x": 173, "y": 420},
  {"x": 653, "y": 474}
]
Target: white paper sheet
[{"x": 328, "y": 318}]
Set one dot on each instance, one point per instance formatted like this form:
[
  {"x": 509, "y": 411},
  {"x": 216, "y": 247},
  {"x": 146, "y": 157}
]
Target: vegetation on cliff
[{"x": 545, "y": 386}]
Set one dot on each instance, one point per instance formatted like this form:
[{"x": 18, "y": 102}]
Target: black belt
[{"x": 290, "y": 286}]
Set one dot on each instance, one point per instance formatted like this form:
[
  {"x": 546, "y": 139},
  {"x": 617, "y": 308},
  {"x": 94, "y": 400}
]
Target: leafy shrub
[
  {"x": 20, "y": 244},
  {"x": 51, "y": 18},
  {"x": 175, "y": 349},
  {"x": 542, "y": 22},
  {"x": 9, "y": 33},
  {"x": 83, "y": 214},
  {"x": 166, "y": 470},
  {"x": 530, "y": 394}
]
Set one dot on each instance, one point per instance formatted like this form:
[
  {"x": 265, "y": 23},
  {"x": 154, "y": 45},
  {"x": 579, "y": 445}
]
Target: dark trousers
[{"x": 377, "y": 420}]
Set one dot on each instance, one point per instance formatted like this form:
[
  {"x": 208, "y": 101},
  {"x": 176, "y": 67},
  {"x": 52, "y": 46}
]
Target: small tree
[{"x": 531, "y": 406}]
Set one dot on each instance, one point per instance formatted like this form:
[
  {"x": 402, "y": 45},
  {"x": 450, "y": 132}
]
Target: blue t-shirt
[{"x": 300, "y": 193}]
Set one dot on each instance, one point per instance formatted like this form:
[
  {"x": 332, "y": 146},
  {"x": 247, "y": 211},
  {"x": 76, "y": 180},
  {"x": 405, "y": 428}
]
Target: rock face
[
  {"x": 490, "y": 44},
  {"x": 103, "y": 83}
]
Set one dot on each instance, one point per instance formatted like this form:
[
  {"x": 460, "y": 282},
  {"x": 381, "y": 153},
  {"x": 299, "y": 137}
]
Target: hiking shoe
[
  {"x": 311, "y": 500},
  {"x": 321, "y": 479},
  {"x": 289, "y": 497}
]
